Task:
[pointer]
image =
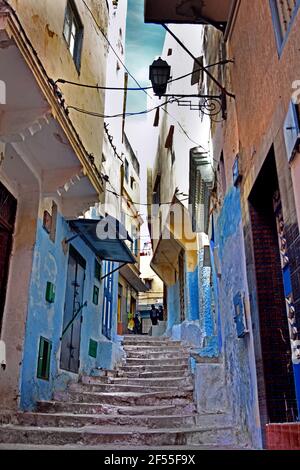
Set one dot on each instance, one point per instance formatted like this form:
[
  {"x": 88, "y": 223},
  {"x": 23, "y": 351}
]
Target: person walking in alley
[
  {"x": 137, "y": 323},
  {"x": 160, "y": 313},
  {"x": 154, "y": 315},
  {"x": 130, "y": 325}
]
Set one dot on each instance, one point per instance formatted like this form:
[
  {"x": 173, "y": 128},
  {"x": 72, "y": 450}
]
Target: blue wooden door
[
  {"x": 70, "y": 347},
  {"x": 107, "y": 299}
]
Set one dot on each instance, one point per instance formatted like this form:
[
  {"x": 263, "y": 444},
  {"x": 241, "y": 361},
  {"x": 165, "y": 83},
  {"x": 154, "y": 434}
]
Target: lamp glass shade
[{"x": 159, "y": 74}]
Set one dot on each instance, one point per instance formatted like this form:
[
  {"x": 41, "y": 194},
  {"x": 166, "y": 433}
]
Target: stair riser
[
  {"x": 157, "y": 375},
  {"x": 136, "y": 375},
  {"x": 154, "y": 368},
  {"x": 158, "y": 356},
  {"x": 129, "y": 388},
  {"x": 155, "y": 350},
  {"x": 140, "y": 381},
  {"x": 159, "y": 381},
  {"x": 157, "y": 362},
  {"x": 148, "y": 339},
  {"x": 135, "y": 438},
  {"x": 79, "y": 421},
  {"x": 125, "y": 401},
  {"x": 78, "y": 408}
]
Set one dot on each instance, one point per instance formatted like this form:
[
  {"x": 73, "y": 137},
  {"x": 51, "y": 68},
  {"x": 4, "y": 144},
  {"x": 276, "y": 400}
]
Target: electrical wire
[
  {"x": 144, "y": 203},
  {"x": 103, "y": 116},
  {"x": 98, "y": 87}
]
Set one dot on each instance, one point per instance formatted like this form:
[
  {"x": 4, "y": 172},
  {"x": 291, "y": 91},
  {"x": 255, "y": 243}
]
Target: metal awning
[
  {"x": 133, "y": 279},
  {"x": 106, "y": 237},
  {"x": 214, "y": 12}
]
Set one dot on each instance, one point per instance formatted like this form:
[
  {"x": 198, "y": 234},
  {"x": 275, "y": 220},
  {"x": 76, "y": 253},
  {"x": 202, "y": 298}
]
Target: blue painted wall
[
  {"x": 192, "y": 294},
  {"x": 240, "y": 368},
  {"x": 45, "y": 319},
  {"x": 173, "y": 305}
]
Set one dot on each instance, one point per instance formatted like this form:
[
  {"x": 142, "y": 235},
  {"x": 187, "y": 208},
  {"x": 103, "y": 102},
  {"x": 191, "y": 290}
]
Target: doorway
[
  {"x": 8, "y": 209},
  {"x": 107, "y": 299},
  {"x": 70, "y": 347},
  {"x": 120, "y": 298},
  {"x": 181, "y": 285},
  {"x": 276, "y": 388}
]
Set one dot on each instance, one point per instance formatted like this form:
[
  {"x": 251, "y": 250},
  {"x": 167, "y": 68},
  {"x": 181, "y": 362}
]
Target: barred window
[{"x": 284, "y": 12}]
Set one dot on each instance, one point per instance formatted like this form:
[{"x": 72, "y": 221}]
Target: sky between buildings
[{"x": 144, "y": 42}]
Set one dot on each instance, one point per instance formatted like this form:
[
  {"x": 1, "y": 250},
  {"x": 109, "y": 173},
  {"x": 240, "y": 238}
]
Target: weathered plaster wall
[
  {"x": 14, "y": 319},
  {"x": 44, "y": 319},
  {"x": 43, "y": 21},
  {"x": 239, "y": 361}
]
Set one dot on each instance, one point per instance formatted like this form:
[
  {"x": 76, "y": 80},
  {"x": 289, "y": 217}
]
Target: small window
[
  {"x": 53, "y": 224},
  {"x": 173, "y": 158},
  {"x": 283, "y": 12},
  {"x": 291, "y": 130},
  {"x": 222, "y": 175},
  {"x": 126, "y": 171},
  {"x": 148, "y": 283},
  {"x": 43, "y": 370},
  {"x": 49, "y": 222},
  {"x": 132, "y": 181},
  {"x": 156, "y": 191},
  {"x": 73, "y": 32},
  {"x": 96, "y": 295}
]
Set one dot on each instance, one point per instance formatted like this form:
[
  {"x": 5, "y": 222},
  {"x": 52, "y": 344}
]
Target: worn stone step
[
  {"x": 94, "y": 408},
  {"x": 139, "y": 338},
  {"x": 159, "y": 381},
  {"x": 176, "y": 397},
  {"x": 152, "y": 347},
  {"x": 109, "y": 447},
  {"x": 157, "y": 355},
  {"x": 143, "y": 361},
  {"x": 164, "y": 381},
  {"x": 157, "y": 367},
  {"x": 80, "y": 420},
  {"x": 137, "y": 375},
  {"x": 92, "y": 435},
  {"x": 154, "y": 374},
  {"x": 152, "y": 344},
  {"x": 127, "y": 387}
]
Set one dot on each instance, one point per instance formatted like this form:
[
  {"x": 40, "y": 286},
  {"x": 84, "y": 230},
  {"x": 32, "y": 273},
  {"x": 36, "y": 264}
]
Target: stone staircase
[{"x": 146, "y": 403}]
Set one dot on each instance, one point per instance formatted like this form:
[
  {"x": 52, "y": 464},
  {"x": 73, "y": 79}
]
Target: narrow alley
[{"x": 150, "y": 225}]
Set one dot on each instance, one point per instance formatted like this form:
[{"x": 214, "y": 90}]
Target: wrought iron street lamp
[{"x": 159, "y": 74}]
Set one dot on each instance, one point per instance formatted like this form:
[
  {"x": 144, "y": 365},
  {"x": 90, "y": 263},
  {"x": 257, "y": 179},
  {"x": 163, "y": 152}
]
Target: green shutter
[
  {"x": 93, "y": 346},
  {"x": 43, "y": 369}
]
